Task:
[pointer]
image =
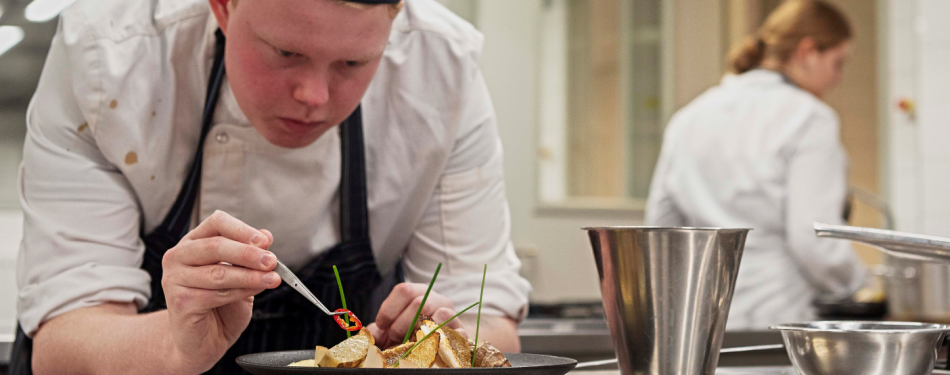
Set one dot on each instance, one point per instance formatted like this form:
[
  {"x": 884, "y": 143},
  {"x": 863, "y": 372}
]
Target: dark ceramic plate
[{"x": 275, "y": 363}]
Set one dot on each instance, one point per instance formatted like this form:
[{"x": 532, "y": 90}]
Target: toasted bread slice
[
  {"x": 349, "y": 353},
  {"x": 489, "y": 356},
  {"x": 304, "y": 363},
  {"x": 454, "y": 349},
  {"x": 374, "y": 358},
  {"x": 391, "y": 356},
  {"x": 425, "y": 352}
]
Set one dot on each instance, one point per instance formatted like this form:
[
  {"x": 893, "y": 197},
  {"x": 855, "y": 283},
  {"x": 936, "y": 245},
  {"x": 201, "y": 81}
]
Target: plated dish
[
  {"x": 275, "y": 363},
  {"x": 434, "y": 346},
  {"x": 427, "y": 347}
]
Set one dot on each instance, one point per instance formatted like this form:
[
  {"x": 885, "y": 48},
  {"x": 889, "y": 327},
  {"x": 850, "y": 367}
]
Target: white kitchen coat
[
  {"x": 757, "y": 152},
  {"x": 114, "y": 125}
]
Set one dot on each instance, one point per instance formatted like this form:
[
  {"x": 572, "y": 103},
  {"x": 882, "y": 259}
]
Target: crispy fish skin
[
  {"x": 454, "y": 349},
  {"x": 391, "y": 356},
  {"x": 351, "y": 352},
  {"x": 424, "y": 354}
]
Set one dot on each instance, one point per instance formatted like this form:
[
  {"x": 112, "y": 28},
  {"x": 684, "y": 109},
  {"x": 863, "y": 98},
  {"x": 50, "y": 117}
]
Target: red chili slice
[{"x": 354, "y": 321}]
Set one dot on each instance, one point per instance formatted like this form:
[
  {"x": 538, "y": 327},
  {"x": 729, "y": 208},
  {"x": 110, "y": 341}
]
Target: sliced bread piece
[
  {"x": 349, "y": 353},
  {"x": 391, "y": 356}
]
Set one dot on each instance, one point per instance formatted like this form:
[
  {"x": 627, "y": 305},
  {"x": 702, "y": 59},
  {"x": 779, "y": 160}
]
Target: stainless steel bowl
[{"x": 862, "y": 348}]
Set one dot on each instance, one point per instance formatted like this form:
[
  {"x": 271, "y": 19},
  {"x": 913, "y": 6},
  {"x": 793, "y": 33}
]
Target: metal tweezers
[{"x": 294, "y": 282}]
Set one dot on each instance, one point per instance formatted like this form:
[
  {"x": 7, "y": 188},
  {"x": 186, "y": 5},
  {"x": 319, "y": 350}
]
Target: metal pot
[
  {"x": 917, "y": 274},
  {"x": 917, "y": 290}
]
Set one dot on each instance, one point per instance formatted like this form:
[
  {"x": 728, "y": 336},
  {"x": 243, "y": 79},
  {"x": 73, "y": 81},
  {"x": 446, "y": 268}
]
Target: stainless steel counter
[{"x": 589, "y": 340}]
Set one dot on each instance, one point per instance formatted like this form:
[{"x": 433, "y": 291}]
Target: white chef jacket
[
  {"x": 757, "y": 152},
  {"x": 114, "y": 126}
]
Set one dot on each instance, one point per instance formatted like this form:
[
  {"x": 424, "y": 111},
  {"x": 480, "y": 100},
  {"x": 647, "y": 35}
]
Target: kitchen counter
[{"x": 589, "y": 340}]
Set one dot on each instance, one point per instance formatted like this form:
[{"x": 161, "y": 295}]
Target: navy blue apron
[{"x": 282, "y": 319}]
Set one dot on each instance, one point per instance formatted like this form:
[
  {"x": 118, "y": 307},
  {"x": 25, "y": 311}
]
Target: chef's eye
[
  {"x": 283, "y": 53},
  {"x": 354, "y": 63}
]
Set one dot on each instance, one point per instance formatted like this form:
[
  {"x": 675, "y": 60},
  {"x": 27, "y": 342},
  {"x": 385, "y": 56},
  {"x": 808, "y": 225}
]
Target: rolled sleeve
[
  {"x": 466, "y": 226},
  {"x": 81, "y": 243}
]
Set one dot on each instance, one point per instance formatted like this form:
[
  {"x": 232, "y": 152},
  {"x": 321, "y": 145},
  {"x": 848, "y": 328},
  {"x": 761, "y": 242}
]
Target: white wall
[
  {"x": 918, "y": 49},
  {"x": 564, "y": 267}
]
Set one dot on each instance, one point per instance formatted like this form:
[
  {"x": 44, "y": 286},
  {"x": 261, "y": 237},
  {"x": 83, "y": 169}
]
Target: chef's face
[
  {"x": 300, "y": 67},
  {"x": 824, "y": 69}
]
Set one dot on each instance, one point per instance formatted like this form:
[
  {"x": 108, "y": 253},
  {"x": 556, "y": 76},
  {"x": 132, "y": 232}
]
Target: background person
[{"x": 762, "y": 151}]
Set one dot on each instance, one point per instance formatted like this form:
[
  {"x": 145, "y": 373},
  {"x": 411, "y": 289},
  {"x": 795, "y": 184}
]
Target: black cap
[{"x": 375, "y": 1}]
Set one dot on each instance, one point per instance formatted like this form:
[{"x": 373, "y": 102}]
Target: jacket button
[{"x": 221, "y": 137}]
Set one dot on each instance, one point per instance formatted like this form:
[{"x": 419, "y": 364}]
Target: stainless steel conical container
[{"x": 666, "y": 294}]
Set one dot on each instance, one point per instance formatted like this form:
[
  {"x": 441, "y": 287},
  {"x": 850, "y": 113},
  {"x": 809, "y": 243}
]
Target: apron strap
[
  {"x": 354, "y": 214},
  {"x": 178, "y": 220}
]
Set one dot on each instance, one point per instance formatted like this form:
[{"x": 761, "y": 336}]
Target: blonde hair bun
[{"x": 785, "y": 27}]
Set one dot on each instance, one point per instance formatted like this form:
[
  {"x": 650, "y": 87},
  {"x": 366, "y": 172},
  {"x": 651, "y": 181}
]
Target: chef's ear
[
  {"x": 222, "y": 10},
  {"x": 807, "y": 52}
]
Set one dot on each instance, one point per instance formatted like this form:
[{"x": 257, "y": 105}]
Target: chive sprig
[
  {"x": 342, "y": 297},
  {"x": 478, "y": 322},
  {"x": 421, "y": 305},
  {"x": 437, "y": 329}
]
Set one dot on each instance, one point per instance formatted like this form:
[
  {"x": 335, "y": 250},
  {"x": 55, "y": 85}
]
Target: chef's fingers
[
  {"x": 402, "y": 323},
  {"x": 446, "y": 313},
  {"x": 222, "y": 276},
  {"x": 270, "y": 239},
  {"x": 185, "y": 300},
  {"x": 402, "y": 295},
  {"x": 382, "y": 338},
  {"x": 214, "y": 250},
  {"x": 222, "y": 224}
]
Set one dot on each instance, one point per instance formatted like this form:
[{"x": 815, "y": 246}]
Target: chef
[
  {"x": 762, "y": 151},
  {"x": 176, "y": 149}
]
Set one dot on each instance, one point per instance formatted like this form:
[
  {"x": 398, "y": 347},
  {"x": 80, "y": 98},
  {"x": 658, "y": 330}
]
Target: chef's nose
[{"x": 312, "y": 89}]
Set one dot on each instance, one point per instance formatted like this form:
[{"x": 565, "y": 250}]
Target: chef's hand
[
  {"x": 209, "y": 302},
  {"x": 397, "y": 311}
]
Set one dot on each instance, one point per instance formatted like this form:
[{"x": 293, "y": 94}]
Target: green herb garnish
[
  {"x": 342, "y": 297},
  {"x": 436, "y": 329},
  {"x": 421, "y": 305},
  {"x": 478, "y": 322}
]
